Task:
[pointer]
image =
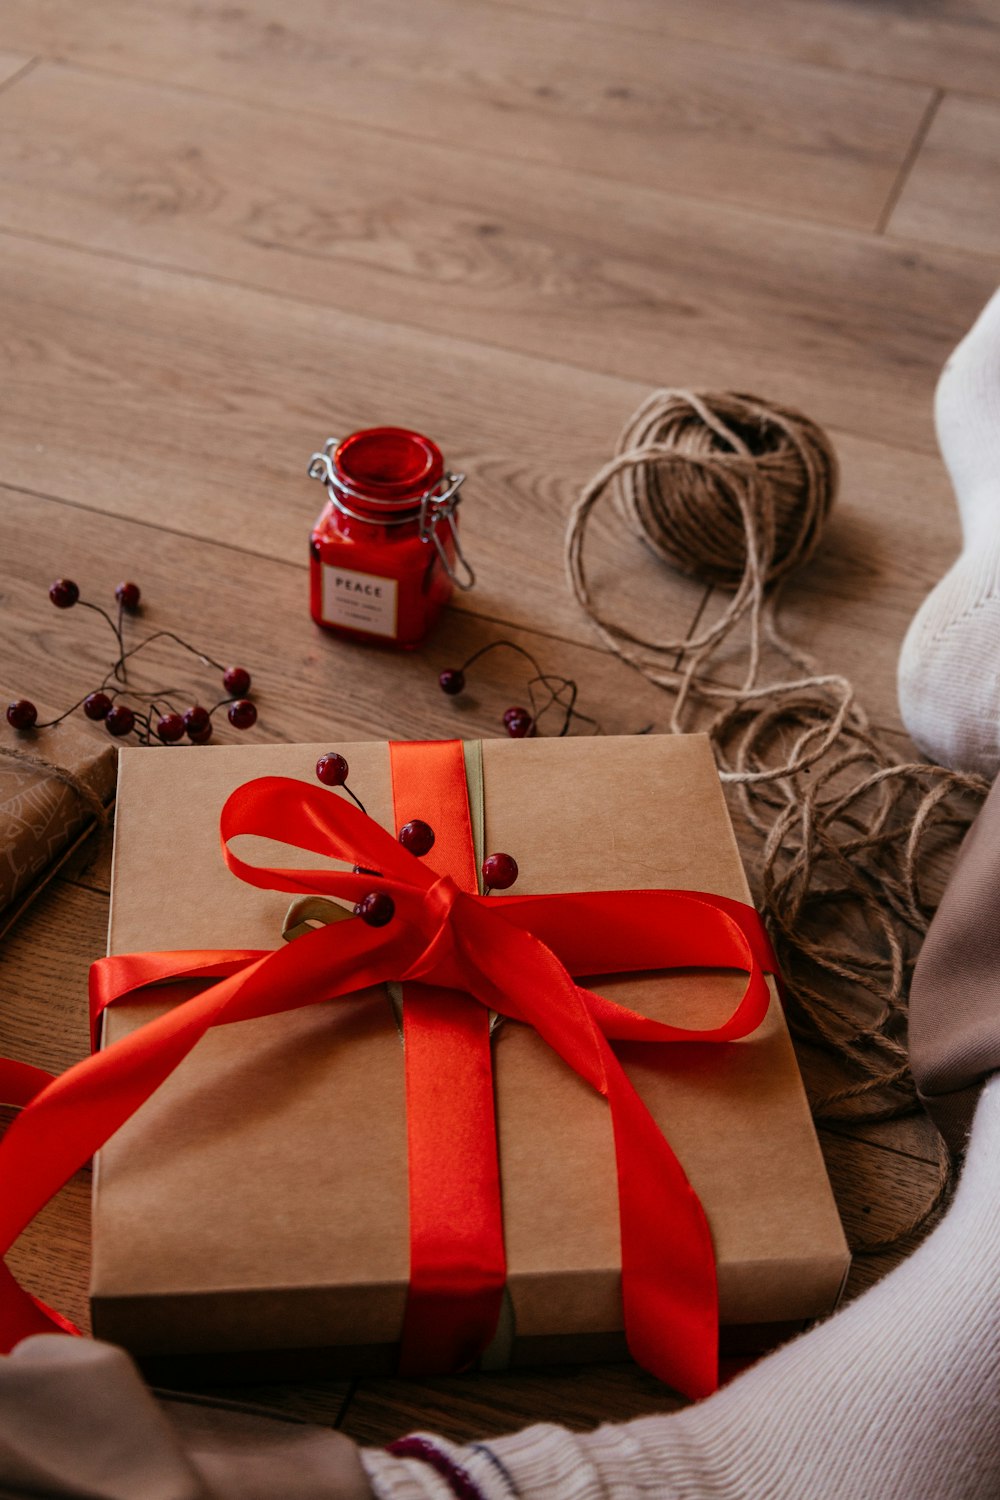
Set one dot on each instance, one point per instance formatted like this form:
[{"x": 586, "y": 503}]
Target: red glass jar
[{"x": 384, "y": 553}]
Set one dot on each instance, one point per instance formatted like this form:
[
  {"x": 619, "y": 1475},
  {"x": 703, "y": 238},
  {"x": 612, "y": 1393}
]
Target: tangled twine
[{"x": 735, "y": 492}]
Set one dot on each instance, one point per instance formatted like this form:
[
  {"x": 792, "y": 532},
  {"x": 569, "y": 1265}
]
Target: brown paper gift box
[{"x": 258, "y": 1201}]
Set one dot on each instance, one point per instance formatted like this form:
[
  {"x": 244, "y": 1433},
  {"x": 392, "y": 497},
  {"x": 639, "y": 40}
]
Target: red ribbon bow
[{"x": 513, "y": 955}]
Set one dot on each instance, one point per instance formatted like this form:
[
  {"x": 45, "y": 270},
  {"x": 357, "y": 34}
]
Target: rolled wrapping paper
[
  {"x": 42, "y": 816},
  {"x": 955, "y": 994}
]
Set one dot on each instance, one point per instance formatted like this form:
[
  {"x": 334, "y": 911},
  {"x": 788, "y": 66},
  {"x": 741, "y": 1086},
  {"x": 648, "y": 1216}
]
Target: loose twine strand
[{"x": 735, "y": 492}]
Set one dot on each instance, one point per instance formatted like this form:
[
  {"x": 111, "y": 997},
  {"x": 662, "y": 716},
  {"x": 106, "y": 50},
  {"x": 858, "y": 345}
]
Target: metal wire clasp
[
  {"x": 437, "y": 506},
  {"x": 434, "y": 507}
]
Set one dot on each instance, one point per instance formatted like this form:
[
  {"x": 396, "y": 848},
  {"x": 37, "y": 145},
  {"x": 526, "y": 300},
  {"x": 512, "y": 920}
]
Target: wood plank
[
  {"x": 952, "y": 195},
  {"x": 468, "y": 1407},
  {"x": 877, "y": 1193},
  {"x": 228, "y": 442},
  {"x": 44, "y": 961},
  {"x": 952, "y": 45},
  {"x": 43, "y": 1020},
  {"x": 537, "y": 88},
  {"x": 195, "y": 406},
  {"x": 307, "y": 684},
  {"x": 576, "y": 269}
]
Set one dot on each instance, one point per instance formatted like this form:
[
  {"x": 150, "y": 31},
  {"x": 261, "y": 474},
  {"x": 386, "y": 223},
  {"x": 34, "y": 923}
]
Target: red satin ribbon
[
  {"x": 457, "y": 1262},
  {"x": 514, "y": 956}
]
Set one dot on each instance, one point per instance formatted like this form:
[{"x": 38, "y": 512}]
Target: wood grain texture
[
  {"x": 467, "y": 1407},
  {"x": 818, "y": 143},
  {"x": 952, "y": 195},
  {"x": 955, "y": 44},
  {"x": 194, "y": 407},
  {"x": 307, "y": 684},
  {"x": 240, "y": 383},
  {"x": 579, "y": 270}
]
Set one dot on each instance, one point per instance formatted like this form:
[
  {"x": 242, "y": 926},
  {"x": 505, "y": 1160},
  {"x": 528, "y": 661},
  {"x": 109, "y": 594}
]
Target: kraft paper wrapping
[
  {"x": 42, "y": 818},
  {"x": 258, "y": 1201}
]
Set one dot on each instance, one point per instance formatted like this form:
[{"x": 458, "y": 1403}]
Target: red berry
[
  {"x": 170, "y": 728},
  {"x": 376, "y": 909},
  {"x": 127, "y": 595},
  {"x": 21, "y": 714},
  {"x": 518, "y": 723},
  {"x": 417, "y": 836},
  {"x": 332, "y": 769},
  {"x": 499, "y": 871},
  {"x": 236, "y": 681},
  {"x": 452, "y": 680},
  {"x": 195, "y": 721},
  {"x": 243, "y": 714},
  {"x": 203, "y": 735},
  {"x": 64, "y": 593},
  {"x": 97, "y": 706},
  {"x": 120, "y": 720}
]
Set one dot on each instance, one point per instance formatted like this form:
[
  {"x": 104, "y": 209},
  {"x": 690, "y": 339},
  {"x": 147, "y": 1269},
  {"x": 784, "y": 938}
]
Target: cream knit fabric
[
  {"x": 895, "y": 1398},
  {"x": 949, "y": 668}
]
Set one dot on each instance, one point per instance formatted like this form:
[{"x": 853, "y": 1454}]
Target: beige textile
[{"x": 76, "y": 1421}]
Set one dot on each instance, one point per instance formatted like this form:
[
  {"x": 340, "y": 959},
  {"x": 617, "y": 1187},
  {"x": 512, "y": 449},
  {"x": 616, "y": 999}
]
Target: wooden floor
[{"x": 228, "y": 230}]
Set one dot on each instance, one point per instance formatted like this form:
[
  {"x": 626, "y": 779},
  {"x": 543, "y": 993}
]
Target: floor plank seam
[
  {"x": 669, "y": 196},
  {"x": 214, "y": 278},
  {"x": 85, "y": 885},
  {"x": 909, "y": 161},
  {"x": 566, "y": 640},
  {"x": 903, "y": 240},
  {"x": 284, "y": 562},
  {"x": 345, "y": 1405},
  {"x": 22, "y": 72},
  {"x": 741, "y": 49},
  {"x": 842, "y": 1133}
]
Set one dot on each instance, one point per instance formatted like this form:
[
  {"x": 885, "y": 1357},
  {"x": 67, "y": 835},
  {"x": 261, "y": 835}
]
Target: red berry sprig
[
  {"x": 546, "y": 690},
  {"x": 499, "y": 872},
  {"x": 332, "y": 770},
  {"x": 151, "y": 721},
  {"x": 377, "y": 908}
]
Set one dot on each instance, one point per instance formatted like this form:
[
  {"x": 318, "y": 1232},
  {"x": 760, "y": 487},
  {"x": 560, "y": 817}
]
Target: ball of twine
[
  {"x": 723, "y": 481},
  {"x": 735, "y": 491}
]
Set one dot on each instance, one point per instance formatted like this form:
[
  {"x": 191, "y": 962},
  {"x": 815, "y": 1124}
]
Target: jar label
[{"x": 361, "y": 601}]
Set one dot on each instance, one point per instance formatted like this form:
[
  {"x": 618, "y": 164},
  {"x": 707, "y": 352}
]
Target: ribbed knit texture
[
  {"x": 949, "y": 667},
  {"x": 895, "y": 1398}
]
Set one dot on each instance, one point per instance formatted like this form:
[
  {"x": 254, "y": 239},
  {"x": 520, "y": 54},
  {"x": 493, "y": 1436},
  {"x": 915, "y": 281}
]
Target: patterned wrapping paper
[{"x": 41, "y": 816}]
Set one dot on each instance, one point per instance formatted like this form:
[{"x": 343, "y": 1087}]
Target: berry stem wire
[
  {"x": 171, "y": 636},
  {"x": 570, "y": 710},
  {"x": 51, "y": 723}
]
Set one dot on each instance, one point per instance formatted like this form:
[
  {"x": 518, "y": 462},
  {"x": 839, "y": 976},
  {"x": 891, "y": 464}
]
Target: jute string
[{"x": 852, "y": 841}]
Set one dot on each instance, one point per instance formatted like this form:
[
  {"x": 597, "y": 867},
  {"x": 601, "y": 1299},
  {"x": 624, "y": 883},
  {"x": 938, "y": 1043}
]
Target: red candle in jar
[{"x": 384, "y": 553}]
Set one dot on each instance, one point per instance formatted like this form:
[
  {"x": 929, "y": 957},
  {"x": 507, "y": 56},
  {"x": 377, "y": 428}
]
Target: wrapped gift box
[
  {"x": 258, "y": 1201},
  {"x": 42, "y": 818}
]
